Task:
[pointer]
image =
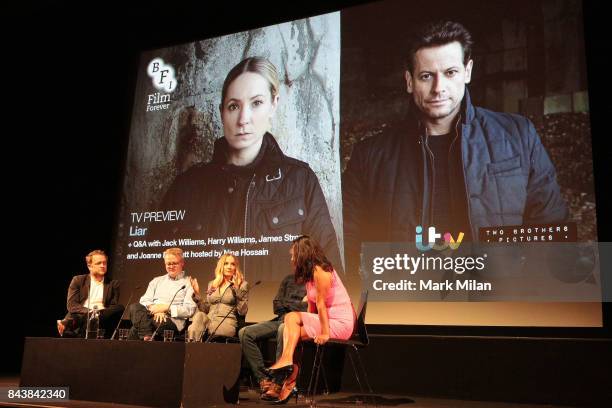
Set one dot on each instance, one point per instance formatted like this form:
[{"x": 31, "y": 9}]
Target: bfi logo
[
  {"x": 162, "y": 74},
  {"x": 163, "y": 80},
  {"x": 449, "y": 241}
]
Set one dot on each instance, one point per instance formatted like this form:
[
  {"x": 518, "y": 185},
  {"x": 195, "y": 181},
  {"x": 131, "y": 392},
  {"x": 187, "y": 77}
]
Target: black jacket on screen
[
  {"x": 280, "y": 198},
  {"x": 503, "y": 177}
]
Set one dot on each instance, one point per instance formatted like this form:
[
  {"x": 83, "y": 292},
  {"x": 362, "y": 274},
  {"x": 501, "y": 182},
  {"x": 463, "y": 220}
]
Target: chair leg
[
  {"x": 300, "y": 361},
  {"x": 312, "y": 374},
  {"x": 355, "y": 371},
  {"x": 326, "y": 392},
  {"x": 316, "y": 368},
  {"x": 365, "y": 375}
]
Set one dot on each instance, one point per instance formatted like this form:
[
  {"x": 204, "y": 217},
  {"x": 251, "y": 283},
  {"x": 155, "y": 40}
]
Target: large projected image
[
  {"x": 463, "y": 167},
  {"x": 481, "y": 142},
  {"x": 234, "y": 147}
]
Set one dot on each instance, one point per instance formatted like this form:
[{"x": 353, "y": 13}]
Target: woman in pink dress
[{"x": 330, "y": 313}]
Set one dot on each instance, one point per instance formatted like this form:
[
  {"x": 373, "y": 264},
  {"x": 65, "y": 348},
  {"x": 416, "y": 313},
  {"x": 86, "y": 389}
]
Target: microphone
[
  {"x": 90, "y": 316},
  {"x": 88, "y": 311},
  {"x": 169, "y": 306},
  {"x": 121, "y": 318},
  {"x": 212, "y": 335}
]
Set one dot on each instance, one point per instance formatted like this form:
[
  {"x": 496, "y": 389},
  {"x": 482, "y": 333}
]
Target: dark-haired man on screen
[{"x": 451, "y": 164}]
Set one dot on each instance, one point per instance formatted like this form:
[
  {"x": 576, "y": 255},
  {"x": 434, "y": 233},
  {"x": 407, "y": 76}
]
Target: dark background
[{"x": 70, "y": 71}]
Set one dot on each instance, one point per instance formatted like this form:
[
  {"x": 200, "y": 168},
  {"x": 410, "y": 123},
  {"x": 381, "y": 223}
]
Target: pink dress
[{"x": 339, "y": 311}]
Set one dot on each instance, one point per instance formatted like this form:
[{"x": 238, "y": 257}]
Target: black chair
[{"x": 358, "y": 340}]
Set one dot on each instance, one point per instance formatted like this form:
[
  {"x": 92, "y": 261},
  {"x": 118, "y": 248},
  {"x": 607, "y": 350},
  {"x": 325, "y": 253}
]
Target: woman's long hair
[
  {"x": 306, "y": 255},
  {"x": 219, "y": 271}
]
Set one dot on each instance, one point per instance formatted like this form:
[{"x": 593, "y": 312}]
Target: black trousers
[
  {"x": 143, "y": 323},
  {"x": 76, "y": 323}
]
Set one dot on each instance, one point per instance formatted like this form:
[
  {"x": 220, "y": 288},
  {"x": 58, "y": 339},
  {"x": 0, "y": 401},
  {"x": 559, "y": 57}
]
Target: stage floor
[{"x": 250, "y": 398}]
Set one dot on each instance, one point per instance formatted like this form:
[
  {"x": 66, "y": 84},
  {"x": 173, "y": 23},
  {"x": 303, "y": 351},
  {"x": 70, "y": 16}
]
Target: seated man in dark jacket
[
  {"x": 451, "y": 165},
  {"x": 89, "y": 292}
]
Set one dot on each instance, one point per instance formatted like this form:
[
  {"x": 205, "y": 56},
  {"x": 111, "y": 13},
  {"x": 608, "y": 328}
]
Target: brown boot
[
  {"x": 61, "y": 327},
  {"x": 264, "y": 385},
  {"x": 272, "y": 393}
]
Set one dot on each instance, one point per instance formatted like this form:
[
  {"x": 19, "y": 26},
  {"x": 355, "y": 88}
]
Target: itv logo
[{"x": 433, "y": 236}]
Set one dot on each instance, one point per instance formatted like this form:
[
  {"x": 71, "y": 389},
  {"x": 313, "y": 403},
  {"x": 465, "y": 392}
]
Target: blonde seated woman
[{"x": 225, "y": 299}]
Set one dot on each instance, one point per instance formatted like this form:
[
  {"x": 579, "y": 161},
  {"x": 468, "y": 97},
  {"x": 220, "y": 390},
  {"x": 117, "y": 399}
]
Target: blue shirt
[{"x": 161, "y": 290}]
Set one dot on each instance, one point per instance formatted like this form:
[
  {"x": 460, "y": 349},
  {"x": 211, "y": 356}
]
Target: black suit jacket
[{"x": 78, "y": 291}]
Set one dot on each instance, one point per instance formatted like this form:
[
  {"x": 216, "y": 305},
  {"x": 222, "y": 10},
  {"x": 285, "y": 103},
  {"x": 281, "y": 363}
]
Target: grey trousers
[
  {"x": 248, "y": 340},
  {"x": 201, "y": 322}
]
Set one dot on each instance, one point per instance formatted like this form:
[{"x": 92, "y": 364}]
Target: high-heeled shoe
[
  {"x": 283, "y": 399},
  {"x": 279, "y": 375},
  {"x": 289, "y": 388}
]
